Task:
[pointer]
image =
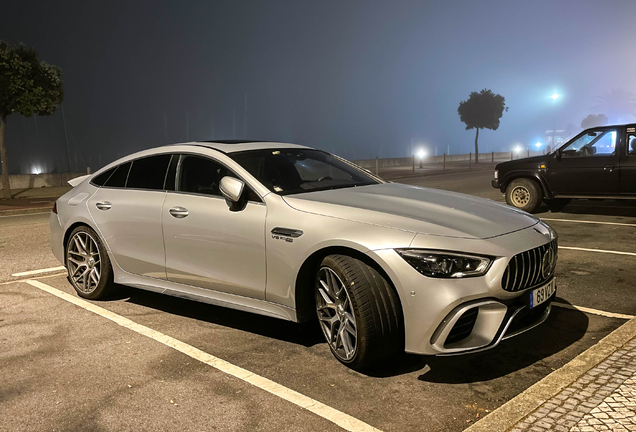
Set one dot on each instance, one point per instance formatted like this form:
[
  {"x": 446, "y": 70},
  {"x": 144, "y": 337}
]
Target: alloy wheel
[
  {"x": 335, "y": 313},
  {"x": 83, "y": 261}
]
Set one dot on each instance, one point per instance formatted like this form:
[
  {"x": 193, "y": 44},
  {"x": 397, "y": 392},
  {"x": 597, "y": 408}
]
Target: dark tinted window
[
  {"x": 148, "y": 172},
  {"x": 118, "y": 179},
  {"x": 202, "y": 175},
  {"x": 101, "y": 179},
  {"x": 289, "y": 171}
]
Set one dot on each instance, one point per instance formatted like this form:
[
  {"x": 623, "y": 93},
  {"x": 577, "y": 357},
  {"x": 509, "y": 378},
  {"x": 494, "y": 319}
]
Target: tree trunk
[
  {"x": 6, "y": 188},
  {"x": 477, "y": 146}
]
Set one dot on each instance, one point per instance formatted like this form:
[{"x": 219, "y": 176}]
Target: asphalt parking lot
[{"x": 63, "y": 367}]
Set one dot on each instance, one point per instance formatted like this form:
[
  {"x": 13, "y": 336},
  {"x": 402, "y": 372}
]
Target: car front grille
[{"x": 530, "y": 268}]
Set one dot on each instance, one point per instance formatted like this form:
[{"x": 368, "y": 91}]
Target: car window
[
  {"x": 290, "y": 171},
  {"x": 148, "y": 172},
  {"x": 101, "y": 179},
  {"x": 201, "y": 175},
  {"x": 631, "y": 144},
  {"x": 118, "y": 179},
  {"x": 593, "y": 143}
]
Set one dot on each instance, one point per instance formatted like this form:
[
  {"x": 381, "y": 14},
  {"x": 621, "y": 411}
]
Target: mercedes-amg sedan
[{"x": 296, "y": 233}]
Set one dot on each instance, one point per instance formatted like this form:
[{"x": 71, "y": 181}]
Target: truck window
[
  {"x": 631, "y": 144},
  {"x": 593, "y": 143}
]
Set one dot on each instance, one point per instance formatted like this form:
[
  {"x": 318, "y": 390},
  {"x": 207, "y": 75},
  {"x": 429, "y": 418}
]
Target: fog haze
[{"x": 358, "y": 78}]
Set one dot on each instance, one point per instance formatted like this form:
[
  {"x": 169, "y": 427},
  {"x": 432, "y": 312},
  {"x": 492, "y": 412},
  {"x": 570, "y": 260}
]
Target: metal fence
[{"x": 414, "y": 165}]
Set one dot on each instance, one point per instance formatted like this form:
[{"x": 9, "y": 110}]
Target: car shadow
[
  {"x": 563, "y": 328},
  {"x": 306, "y": 334}
]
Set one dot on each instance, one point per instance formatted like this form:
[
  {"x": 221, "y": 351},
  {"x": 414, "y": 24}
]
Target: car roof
[{"x": 233, "y": 146}]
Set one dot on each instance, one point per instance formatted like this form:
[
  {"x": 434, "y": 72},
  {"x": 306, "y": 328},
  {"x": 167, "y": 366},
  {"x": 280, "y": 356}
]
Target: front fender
[{"x": 539, "y": 177}]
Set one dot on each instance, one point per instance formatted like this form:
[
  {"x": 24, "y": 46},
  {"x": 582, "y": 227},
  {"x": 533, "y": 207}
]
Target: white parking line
[
  {"x": 34, "y": 272},
  {"x": 341, "y": 419},
  {"x": 589, "y": 222},
  {"x": 597, "y": 250},
  {"x": 592, "y": 311},
  {"x": 26, "y": 214}
]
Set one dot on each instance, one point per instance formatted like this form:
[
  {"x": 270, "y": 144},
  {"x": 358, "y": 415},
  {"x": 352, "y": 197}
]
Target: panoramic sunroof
[{"x": 233, "y": 141}]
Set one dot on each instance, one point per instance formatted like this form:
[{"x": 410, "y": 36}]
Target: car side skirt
[{"x": 217, "y": 298}]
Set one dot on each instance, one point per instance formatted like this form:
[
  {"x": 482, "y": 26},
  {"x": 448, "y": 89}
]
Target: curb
[
  {"x": 24, "y": 211},
  {"x": 512, "y": 412}
]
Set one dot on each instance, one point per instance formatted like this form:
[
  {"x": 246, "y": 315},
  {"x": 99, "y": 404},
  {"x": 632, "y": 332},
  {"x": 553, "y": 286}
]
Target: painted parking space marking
[
  {"x": 597, "y": 250},
  {"x": 38, "y": 277},
  {"x": 339, "y": 418},
  {"x": 24, "y": 214},
  {"x": 34, "y": 272},
  {"x": 589, "y": 222},
  {"x": 592, "y": 311}
]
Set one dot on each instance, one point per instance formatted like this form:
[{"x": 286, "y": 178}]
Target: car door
[
  {"x": 587, "y": 165},
  {"x": 628, "y": 164},
  {"x": 207, "y": 245},
  {"x": 127, "y": 212}
]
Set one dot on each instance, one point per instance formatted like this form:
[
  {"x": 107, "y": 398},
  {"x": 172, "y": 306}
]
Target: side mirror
[
  {"x": 557, "y": 153},
  {"x": 232, "y": 190}
]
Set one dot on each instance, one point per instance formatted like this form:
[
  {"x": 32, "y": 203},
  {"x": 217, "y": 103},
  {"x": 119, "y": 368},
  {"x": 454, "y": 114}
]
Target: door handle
[
  {"x": 608, "y": 168},
  {"x": 178, "y": 212},
  {"x": 103, "y": 205}
]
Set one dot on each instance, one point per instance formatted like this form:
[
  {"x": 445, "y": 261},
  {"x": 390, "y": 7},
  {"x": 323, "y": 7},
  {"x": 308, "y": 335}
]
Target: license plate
[{"x": 541, "y": 294}]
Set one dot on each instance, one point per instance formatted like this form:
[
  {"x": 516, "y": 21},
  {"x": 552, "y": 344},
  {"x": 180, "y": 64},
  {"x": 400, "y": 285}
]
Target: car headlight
[
  {"x": 496, "y": 174},
  {"x": 442, "y": 264}
]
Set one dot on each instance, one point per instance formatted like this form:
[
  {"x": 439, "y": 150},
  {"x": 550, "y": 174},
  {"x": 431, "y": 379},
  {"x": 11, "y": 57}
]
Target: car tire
[
  {"x": 523, "y": 193},
  {"x": 89, "y": 268},
  {"x": 359, "y": 312},
  {"x": 557, "y": 204}
]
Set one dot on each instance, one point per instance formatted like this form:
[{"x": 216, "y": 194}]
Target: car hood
[{"x": 416, "y": 209}]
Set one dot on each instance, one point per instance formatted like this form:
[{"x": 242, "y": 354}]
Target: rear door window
[
  {"x": 148, "y": 172},
  {"x": 101, "y": 179},
  {"x": 118, "y": 178}
]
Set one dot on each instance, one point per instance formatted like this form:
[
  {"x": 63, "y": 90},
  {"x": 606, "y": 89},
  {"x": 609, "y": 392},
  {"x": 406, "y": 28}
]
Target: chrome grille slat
[{"x": 524, "y": 270}]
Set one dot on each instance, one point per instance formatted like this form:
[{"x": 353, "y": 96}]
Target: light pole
[
  {"x": 554, "y": 97},
  {"x": 421, "y": 154}
]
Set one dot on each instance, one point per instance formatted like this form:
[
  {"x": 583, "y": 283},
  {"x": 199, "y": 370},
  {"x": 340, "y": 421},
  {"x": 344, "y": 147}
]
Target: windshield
[{"x": 292, "y": 171}]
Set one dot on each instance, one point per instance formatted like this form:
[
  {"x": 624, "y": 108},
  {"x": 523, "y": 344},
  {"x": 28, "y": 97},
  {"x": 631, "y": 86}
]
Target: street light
[
  {"x": 538, "y": 144},
  {"x": 421, "y": 154},
  {"x": 555, "y": 96}
]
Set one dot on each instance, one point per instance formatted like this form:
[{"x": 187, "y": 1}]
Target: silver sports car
[{"x": 296, "y": 233}]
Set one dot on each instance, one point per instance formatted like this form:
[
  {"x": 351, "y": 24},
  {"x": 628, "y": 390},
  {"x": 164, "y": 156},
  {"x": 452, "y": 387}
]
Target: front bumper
[
  {"x": 485, "y": 330},
  {"x": 495, "y": 183},
  {"x": 433, "y": 306}
]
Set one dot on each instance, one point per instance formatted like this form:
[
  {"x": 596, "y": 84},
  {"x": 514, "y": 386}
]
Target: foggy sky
[{"x": 359, "y": 78}]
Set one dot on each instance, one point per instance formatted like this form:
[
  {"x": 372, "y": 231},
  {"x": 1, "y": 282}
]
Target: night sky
[{"x": 358, "y": 78}]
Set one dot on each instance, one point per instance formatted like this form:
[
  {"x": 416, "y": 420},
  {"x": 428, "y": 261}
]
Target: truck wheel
[
  {"x": 524, "y": 194},
  {"x": 359, "y": 312},
  {"x": 557, "y": 204}
]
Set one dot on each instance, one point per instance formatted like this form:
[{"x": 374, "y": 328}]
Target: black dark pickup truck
[{"x": 598, "y": 163}]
